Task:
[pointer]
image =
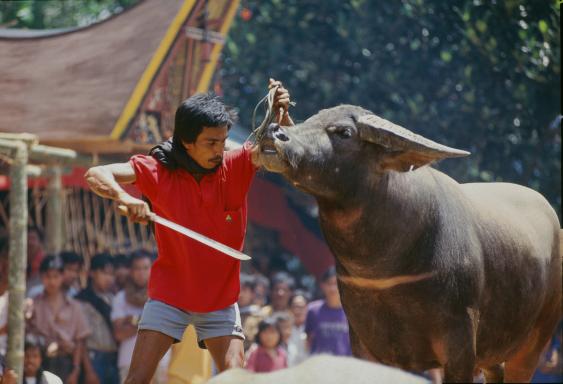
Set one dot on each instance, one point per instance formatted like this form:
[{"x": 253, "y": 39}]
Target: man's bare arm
[{"x": 105, "y": 181}]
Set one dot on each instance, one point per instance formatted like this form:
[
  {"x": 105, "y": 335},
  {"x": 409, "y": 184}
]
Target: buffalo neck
[{"x": 387, "y": 226}]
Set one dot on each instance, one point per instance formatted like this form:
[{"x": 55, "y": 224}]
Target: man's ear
[{"x": 405, "y": 150}]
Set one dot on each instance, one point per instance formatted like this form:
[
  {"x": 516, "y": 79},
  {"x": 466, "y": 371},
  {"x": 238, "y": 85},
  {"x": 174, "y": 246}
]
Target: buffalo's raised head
[{"x": 329, "y": 153}]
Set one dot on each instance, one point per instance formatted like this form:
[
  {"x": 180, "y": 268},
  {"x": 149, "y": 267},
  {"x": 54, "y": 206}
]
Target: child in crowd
[
  {"x": 267, "y": 355},
  {"x": 33, "y": 359}
]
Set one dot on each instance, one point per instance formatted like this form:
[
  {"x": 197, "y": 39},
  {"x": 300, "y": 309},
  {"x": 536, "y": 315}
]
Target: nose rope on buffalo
[{"x": 268, "y": 102}]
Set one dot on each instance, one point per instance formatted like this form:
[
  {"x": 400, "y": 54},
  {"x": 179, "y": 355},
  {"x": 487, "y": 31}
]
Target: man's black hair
[
  {"x": 71, "y": 257},
  {"x": 141, "y": 254},
  {"x": 201, "y": 110},
  {"x": 331, "y": 272},
  {"x": 50, "y": 262},
  {"x": 121, "y": 260},
  {"x": 100, "y": 261},
  {"x": 247, "y": 280},
  {"x": 283, "y": 277}
]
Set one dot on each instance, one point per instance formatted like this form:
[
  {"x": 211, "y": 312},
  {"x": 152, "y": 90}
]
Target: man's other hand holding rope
[{"x": 281, "y": 103}]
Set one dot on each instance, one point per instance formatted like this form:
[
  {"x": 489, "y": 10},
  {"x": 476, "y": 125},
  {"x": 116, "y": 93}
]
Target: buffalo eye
[{"x": 342, "y": 132}]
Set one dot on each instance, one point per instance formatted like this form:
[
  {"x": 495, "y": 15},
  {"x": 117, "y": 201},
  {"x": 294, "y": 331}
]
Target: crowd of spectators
[{"x": 81, "y": 317}]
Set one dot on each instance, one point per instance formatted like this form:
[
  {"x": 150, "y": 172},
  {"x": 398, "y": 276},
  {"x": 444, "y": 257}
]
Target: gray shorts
[{"x": 172, "y": 321}]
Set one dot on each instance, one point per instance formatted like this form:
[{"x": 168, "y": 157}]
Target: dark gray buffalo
[{"x": 432, "y": 273}]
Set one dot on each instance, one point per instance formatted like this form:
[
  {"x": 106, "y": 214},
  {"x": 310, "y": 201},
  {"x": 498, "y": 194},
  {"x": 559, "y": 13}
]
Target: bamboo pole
[
  {"x": 54, "y": 229},
  {"x": 17, "y": 257},
  {"x": 90, "y": 232},
  {"x": 97, "y": 226}
]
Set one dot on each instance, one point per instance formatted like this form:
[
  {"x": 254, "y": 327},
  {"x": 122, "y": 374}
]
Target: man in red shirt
[{"x": 190, "y": 180}]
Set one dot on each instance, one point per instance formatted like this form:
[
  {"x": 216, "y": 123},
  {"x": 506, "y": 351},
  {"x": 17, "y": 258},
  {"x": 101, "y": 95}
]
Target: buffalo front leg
[{"x": 460, "y": 349}]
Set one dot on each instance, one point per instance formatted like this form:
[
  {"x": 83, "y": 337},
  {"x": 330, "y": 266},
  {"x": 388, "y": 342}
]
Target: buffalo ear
[{"x": 405, "y": 149}]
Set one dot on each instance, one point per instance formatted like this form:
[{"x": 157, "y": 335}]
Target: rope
[{"x": 268, "y": 102}]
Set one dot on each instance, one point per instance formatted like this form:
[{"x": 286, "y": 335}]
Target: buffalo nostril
[{"x": 281, "y": 136}]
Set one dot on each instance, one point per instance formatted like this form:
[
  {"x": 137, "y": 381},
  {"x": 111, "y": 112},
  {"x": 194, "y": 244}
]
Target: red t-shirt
[{"x": 188, "y": 274}]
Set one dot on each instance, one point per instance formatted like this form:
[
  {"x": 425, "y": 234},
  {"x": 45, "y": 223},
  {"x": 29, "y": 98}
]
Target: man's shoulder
[
  {"x": 315, "y": 306},
  {"x": 144, "y": 163}
]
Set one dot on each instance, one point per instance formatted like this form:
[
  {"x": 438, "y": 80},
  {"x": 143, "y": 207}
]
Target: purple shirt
[{"x": 328, "y": 329}]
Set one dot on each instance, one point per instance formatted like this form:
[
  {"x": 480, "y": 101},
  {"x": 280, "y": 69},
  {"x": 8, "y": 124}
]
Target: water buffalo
[
  {"x": 432, "y": 273},
  {"x": 322, "y": 369}
]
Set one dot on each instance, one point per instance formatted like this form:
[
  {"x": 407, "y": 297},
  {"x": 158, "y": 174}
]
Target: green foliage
[
  {"x": 35, "y": 14},
  {"x": 479, "y": 75}
]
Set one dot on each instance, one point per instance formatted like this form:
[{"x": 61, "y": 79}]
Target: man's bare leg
[
  {"x": 149, "y": 349},
  {"x": 227, "y": 352}
]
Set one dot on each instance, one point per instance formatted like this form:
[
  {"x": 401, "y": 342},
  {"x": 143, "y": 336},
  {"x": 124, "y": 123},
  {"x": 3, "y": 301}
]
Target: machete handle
[{"x": 122, "y": 209}]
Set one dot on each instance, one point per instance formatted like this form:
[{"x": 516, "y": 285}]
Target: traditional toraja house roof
[{"x": 113, "y": 86}]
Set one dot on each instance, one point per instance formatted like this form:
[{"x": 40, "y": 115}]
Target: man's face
[
  {"x": 52, "y": 280},
  {"x": 103, "y": 278},
  {"x": 299, "y": 310},
  {"x": 71, "y": 273},
  {"x": 121, "y": 274},
  {"x": 246, "y": 296},
  {"x": 280, "y": 296},
  {"x": 140, "y": 271},
  {"x": 208, "y": 148},
  {"x": 330, "y": 288}
]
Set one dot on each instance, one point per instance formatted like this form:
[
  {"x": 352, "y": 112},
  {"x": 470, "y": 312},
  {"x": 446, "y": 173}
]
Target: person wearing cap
[{"x": 190, "y": 179}]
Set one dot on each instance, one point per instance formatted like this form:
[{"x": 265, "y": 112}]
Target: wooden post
[
  {"x": 54, "y": 227},
  {"x": 17, "y": 257}
]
